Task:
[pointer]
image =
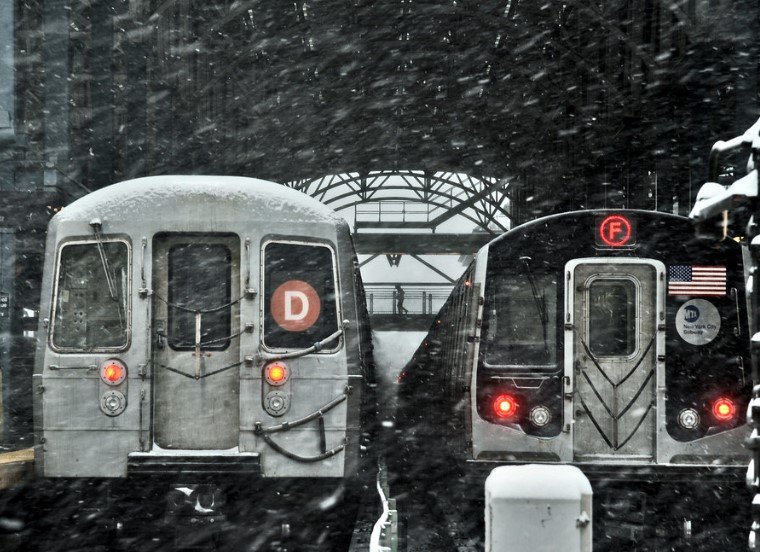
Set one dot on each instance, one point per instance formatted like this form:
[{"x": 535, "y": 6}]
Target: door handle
[
  {"x": 160, "y": 334},
  {"x": 568, "y": 388}
]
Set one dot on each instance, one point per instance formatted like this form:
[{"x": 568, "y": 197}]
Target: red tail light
[
  {"x": 505, "y": 406},
  {"x": 724, "y": 409}
]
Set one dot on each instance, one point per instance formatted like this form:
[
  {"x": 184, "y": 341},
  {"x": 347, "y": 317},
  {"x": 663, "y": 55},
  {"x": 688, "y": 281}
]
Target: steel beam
[
  {"x": 55, "y": 26},
  {"x": 102, "y": 97},
  {"x": 470, "y": 202},
  {"x": 433, "y": 268},
  {"x": 7, "y": 86},
  {"x": 420, "y": 244},
  {"x": 7, "y": 277},
  {"x": 405, "y": 322}
]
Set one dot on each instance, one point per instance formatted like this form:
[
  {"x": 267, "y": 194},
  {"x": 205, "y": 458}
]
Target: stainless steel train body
[
  {"x": 200, "y": 325},
  {"x": 612, "y": 340}
]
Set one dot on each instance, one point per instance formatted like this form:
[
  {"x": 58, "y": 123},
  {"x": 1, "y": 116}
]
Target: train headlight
[
  {"x": 113, "y": 403},
  {"x": 724, "y": 409},
  {"x": 276, "y": 373},
  {"x": 688, "y": 418},
  {"x": 113, "y": 372},
  {"x": 505, "y": 406},
  {"x": 540, "y": 416}
]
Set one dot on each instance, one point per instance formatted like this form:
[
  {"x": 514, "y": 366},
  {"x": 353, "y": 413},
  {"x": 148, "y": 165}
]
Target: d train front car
[
  {"x": 200, "y": 325},
  {"x": 616, "y": 341}
]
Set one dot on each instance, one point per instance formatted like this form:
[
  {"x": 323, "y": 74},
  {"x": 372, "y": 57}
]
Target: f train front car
[
  {"x": 202, "y": 326},
  {"x": 612, "y": 340}
]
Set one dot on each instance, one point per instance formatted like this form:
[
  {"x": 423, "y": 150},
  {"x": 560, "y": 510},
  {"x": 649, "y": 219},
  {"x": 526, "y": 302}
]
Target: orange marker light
[
  {"x": 276, "y": 373},
  {"x": 724, "y": 409},
  {"x": 505, "y": 406},
  {"x": 113, "y": 372}
]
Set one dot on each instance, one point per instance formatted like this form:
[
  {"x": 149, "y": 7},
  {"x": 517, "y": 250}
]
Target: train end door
[
  {"x": 613, "y": 337},
  {"x": 196, "y": 280}
]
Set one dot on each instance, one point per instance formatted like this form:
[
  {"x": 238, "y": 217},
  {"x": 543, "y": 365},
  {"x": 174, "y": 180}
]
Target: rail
[
  {"x": 392, "y": 211},
  {"x": 384, "y": 299}
]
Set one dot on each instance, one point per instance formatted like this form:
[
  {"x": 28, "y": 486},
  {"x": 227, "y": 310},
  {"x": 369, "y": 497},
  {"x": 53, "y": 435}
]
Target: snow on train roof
[{"x": 160, "y": 193}]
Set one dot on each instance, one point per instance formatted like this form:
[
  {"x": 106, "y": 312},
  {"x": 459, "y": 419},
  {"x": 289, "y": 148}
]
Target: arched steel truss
[{"x": 485, "y": 201}]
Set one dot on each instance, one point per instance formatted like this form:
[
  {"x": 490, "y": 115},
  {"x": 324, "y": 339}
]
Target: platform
[
  {"x": 16, "y": 467},
  {"x": 401, "y": 322}
]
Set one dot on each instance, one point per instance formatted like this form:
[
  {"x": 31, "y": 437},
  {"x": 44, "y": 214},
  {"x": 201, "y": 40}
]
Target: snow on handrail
[{"x": 374, "y": 541}]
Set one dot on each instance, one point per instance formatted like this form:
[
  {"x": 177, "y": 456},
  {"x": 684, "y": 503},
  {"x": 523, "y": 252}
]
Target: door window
[
  {"x": 612, "y": 317},
  {"x": 521, "y": 322},
  {"x": 200, "y": 281},
  {"x": 300, "y": 306}
]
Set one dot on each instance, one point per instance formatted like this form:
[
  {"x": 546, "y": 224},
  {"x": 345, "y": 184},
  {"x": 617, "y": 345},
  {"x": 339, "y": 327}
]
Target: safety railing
[
  {"x": 387, "y": 299},
  {"x": 392, "y": 211}
]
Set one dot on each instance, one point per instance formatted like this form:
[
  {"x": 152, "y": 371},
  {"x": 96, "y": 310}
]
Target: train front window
[
  {"x": 521, "y": 318},
  {"x": 200, "y": 284},
  {"x": 612, "y": 317},
  {"x": 300, "y": 305},
  {"x": 90, "y": 311}
]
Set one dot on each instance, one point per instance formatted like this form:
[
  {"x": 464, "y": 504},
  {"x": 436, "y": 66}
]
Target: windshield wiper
[
  {"x": 538, "y": 299},
  {"x": 96, "y": 224}
]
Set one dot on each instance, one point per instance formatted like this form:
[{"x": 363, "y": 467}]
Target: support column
[
  {"x": 136, "y": 51},
  {"x": 7, "y": 273},
  {"x": 101, "y": 69},
  {"x": 55, "y": 51},
  {"x": 746, "y": 50},
  {"x": 7, "y": 90}
]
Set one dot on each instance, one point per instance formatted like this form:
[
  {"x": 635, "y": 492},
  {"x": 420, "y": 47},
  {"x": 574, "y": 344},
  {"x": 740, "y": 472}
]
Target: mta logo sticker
[
  {"x": 691, "y": 314},
  {"x": 698, "y": 322}
]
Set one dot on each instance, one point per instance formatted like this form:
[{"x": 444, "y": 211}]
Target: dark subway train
[{"x": 612, "y": 340}]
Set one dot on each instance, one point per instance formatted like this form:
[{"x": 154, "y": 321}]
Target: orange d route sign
[{"x": 295, "y": 306}]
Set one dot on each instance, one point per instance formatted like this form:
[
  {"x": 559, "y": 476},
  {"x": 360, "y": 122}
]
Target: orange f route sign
[{"x": 295, "y": 306}]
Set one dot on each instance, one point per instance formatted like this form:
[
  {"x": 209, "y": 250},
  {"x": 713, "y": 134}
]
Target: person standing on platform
[{"x": 400, "y": 300}]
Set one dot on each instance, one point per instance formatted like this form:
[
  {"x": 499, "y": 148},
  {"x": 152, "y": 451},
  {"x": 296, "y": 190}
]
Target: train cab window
[
  {"x": 612, "y": 317},
  {"x": 521, "y": 318},
  {"x": 90, "y": 311},
  {"x": 200, "y": 280},
  {"x": 300, "y": 305}
]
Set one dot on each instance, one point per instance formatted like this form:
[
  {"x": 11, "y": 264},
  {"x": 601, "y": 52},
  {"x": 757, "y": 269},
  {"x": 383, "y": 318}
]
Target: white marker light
[
  {"x": 540, "y": 416},
  {"x": 688, "y": 418}
]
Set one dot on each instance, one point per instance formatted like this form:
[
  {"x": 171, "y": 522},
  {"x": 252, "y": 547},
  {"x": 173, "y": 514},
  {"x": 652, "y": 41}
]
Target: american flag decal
[{"x": 697, "y": 280}]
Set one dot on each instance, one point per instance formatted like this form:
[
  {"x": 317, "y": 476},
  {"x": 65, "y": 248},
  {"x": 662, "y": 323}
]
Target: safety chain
[{"x": 193, "y": 309}]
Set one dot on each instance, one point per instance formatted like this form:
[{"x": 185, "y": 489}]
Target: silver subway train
[
  {"x": 201, "y": 327},
  {"x": 613, "y": 340}
]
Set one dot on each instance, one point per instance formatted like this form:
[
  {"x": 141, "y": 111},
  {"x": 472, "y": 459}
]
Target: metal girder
[
  {"x": 433, "y": 268},
  {"x": 487, "y": 190},
  {"x": 446, "y": 195},
  {"x": 7, "y": 285},
  {"x": 420, "y": 244},
  {"x": 406, "y": 322},
  {"x": 56, "y": 111}
]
